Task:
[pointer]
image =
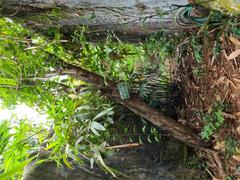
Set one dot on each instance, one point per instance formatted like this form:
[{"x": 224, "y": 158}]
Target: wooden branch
[
  {"x": 127, "y": 19},
  {"x": 109, "y": 89},
  {"x": 215, "y": 163},
  {"x": 124, "y": 146}
]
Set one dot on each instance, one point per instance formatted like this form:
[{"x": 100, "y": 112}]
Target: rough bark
[
  {"x": 128, "y": 19},
  {"x": 176, "y": 129}
]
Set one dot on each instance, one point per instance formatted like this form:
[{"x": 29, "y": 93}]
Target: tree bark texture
[
  {"x": 127, "y": 18},
  {"x": 176, "y": 129}
]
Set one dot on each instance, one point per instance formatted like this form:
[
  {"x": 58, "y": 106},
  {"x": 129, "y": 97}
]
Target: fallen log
[{"x": 109, "y": 89}]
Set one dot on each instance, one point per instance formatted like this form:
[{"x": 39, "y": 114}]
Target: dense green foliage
[
  {"x": 213, "y": 121},
  {"x": 79, "y": 123},
  {"x": 79, "y": 132}
]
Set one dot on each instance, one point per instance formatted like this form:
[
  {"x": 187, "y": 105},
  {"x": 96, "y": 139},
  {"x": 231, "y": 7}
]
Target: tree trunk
[
  {"x": 130, "y": 20},
  {"x": 109, "y": 89},
  {"x": 176, "y": 129}
]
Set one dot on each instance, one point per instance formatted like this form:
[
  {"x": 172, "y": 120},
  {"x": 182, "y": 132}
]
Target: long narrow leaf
[
  {"x": 16, "y": 169},
  {"x": 102, "y": 113}
]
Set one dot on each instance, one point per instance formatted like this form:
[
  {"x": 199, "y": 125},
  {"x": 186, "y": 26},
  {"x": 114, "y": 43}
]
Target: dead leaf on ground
[
  {"x": 238, "y": 130},
  {"x": 228, "y": 115},
  {"x": 234, "y": 54},
  {"x": 235, "y": 41},
  {"x": 213, "y": 178},
  {"x": 219, "y": 145},
  {"x": 237, "y": 114},
  {"x": 236, "y": 157},
  {"x": 218, "y": 98},
  {"x": 225, "y": 54}
]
